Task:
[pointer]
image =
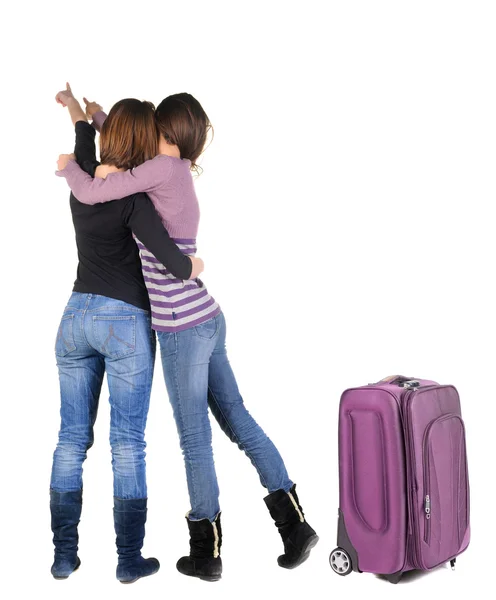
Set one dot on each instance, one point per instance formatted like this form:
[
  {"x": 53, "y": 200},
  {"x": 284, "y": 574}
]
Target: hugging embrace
[{"x": 136, "y": 218}]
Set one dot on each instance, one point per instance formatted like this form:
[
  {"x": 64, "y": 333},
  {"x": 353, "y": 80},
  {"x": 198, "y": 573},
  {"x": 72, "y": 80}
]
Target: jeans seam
[
  {"x": 134, "y": 474},
  {"x": 83, "y": 332},
  {"x": 83, "y": 317},
  {"x": 180, "y": 414},
  {"x": 238, "y": 441},
  {"x": 150, "y": 385}
]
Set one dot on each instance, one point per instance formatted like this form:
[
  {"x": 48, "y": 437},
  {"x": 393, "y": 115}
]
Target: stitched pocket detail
[{"x": 115, "y": 337}]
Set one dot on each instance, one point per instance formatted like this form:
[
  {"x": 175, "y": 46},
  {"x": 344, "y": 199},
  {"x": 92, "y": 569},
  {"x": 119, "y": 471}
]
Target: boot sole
[
  {"x": 305, "y": 553},
  {"x": 138, "y": 578},
  {"x": 210, "y": 578},
  {"x": 58, "y": 578}
]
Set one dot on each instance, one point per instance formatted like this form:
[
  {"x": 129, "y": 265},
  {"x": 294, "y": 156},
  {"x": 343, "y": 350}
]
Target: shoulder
[
  {"x": 163, "y": 162},
  {"x": 133, "y": 206},
  {"x": 136, "y": 203}
]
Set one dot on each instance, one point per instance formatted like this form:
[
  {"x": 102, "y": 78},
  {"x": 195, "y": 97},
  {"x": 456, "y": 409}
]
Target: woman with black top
[{"x": 105, "y": 327}]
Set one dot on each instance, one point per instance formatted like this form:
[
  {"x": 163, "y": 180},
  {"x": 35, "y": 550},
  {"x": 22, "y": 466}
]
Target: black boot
[
  {"x": 297, "y": 535},
  {"x": 129, "y": 523},
  {"x": 65, "y": 508},
  {"x": 204, "y": 559}
]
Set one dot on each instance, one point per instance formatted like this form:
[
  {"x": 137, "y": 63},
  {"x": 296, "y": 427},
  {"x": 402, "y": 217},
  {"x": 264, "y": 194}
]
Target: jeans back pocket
[
  {"x": 208, "y": 329},
  {"x": 65, "y": 336},
  {"x": 115, "y": 336}
]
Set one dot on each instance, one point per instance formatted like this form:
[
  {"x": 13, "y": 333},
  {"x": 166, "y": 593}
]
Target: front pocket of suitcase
[{"x": 445, "y": 487}]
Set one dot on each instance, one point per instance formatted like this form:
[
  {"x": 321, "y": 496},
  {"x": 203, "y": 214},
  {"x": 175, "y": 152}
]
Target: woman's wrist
[{"x": 76, "y": 112}]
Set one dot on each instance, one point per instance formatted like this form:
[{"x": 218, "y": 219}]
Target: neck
[
  {"x": 112, "y": 169},
  {"x": 168, "y": 149}
]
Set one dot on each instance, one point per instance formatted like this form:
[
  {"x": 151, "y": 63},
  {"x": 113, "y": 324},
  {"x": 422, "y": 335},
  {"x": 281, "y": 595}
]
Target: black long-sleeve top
[{"x": 109, "y": 263}]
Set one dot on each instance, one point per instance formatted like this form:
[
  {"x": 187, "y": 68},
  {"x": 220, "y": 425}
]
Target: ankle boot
[
  {"x": 204, "y": 559},
  {"x": 297, "y": 535},
  {"x": 129, "y": 523},
  {"x": 65, "y": 509}
]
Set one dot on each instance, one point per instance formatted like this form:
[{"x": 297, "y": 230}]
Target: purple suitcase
[{"x": 403, "y": 479}]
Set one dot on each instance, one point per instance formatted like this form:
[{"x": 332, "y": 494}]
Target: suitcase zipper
[
  {"x": 427, "y": 527},
  {"x": 410, "y": 479},
  {"x": 412, "y": 495}
]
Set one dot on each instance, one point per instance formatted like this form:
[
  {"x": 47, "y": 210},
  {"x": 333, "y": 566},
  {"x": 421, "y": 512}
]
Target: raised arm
[
  {"x": 143, "y": 219},
  {"x": 148, "y": 177},
  {"x": 95, "y": 112},
  {"x": 97, "y": 119},
  {"x": 66, "y": 99}
]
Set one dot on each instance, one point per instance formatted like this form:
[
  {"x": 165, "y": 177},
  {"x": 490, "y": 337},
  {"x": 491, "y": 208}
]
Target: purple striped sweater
[{"x": 176, "y": 304}]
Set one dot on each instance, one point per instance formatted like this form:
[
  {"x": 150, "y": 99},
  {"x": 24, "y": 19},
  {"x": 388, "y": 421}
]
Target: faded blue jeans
[
  {"x": 99, "y": 334},
  {"x": 198, "y": 376}
]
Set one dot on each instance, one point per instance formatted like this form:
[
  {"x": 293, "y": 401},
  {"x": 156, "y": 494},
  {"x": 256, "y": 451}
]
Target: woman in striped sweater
[{"x": 192, "y": 333}]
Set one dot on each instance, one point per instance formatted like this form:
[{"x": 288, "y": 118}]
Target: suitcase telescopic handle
[{"x": 400, "y": 380}]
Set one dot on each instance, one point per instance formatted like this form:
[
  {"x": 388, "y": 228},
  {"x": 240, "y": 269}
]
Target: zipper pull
[{"x": 427, "y": 507}]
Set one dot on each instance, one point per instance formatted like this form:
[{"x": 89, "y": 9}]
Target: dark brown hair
[
  {"x": 182, "y": 121},
  {"x": 129, "y": 134}
]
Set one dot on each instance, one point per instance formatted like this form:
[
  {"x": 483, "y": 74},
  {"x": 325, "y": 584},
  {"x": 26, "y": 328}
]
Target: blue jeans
[
  {"x": 198, "y": 376},
  {"x": 99, "y": 334}
]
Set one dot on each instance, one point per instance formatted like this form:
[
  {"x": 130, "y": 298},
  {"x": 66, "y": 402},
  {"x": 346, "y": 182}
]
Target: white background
[{"x": 347, "y": 228}]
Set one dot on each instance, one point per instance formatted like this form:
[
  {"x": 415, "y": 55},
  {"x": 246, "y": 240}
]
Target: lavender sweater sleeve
[
  {"x": 98, "y": 119},
  {"x": 148, "y": 177}
]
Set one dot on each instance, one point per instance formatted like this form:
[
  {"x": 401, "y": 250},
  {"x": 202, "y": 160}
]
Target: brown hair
[
  {"x": 129, "y": 134},
  {"x": 183, "y": 122}
]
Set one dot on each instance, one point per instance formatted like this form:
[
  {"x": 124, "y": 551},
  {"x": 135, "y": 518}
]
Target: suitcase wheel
[{"x": 340, "y": 562}]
